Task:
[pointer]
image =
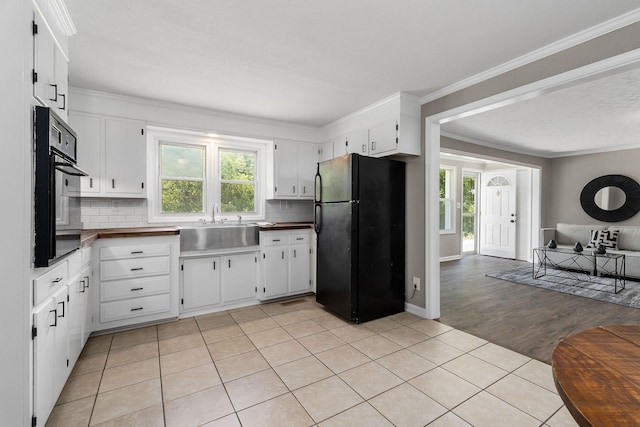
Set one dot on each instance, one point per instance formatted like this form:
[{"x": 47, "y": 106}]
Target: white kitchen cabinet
[
  {"x": 239, "y": 277},
  {"x": 89, "y": 129},
  {"x": 50, "y": 68},
  {"x": 340, "y": 146},
  {"x": 275, "y": 271},
  {"x": 358, "y": 142},
  {"x": 299, "y": 263},
  {"x": 200, "y": 282},
  {"x": 44, "y": 339},
  {"x": 137, "y": 280},
  {"x": 212, "y": 282},
  {"x": 62, "y": 365},
  {"x": 125, "y": 158},
  {"x": 77, "y": 306},
  {"x": 113, "y": 153},
  {"x": 286, "y": 263},
  {"x": 383, "y": 137},
  {"x": 294, "y": 169},
  {"x": 326, "y": 151}
]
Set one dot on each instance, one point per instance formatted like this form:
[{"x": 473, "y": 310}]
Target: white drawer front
[
  {"x": 129, "y": 268},
  {"x": 131, "y": 288},
  {"x": 137, "y": 251},
  {"x": 299, "y": 237},
  {"x": 273, "y": 238},
  {"x": 135, "y": 307},
  {"x": 44, "y": 285}
]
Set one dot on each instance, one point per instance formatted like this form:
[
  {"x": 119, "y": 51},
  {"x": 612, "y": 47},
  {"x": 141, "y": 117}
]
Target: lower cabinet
[
  {"x": 285, "y": 263},
  {"x": 138, "y": 280},
  {"x": 212, "y": 281}
]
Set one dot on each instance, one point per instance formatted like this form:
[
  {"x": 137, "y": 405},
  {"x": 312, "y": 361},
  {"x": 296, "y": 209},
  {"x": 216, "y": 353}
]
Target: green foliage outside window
[
  {"x": 182, "y": 172},
  {"x": 468, "y": 206},
  {"x": 237, "y": 181}
]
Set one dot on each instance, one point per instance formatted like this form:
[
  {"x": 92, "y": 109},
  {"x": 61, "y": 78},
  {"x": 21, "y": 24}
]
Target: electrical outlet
[{"x": 416, "y": 283}]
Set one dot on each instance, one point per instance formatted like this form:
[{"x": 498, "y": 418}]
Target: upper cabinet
[
  {"x": 294, "y": 169},
  {"x": 50, "y": 67},
  {"x": 388, "y": 128},
  {"x": 113, "y": 152}
]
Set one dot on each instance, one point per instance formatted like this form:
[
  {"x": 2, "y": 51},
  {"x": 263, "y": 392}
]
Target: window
[
  {"x": 447, "y": 200},
  {"x": 237, "y": 181},
  {"x": 182, "y": 178},
  {"x": 191, "y": 176}
]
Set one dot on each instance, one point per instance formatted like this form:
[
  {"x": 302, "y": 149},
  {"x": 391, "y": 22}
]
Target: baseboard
[
  {"x": 450, "y": 258},
  {"x": 414, "y": 309}
]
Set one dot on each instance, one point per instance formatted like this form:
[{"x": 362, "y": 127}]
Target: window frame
[
  {"x": 211, "y": 194},
  {"x": 450, "y": 184}
]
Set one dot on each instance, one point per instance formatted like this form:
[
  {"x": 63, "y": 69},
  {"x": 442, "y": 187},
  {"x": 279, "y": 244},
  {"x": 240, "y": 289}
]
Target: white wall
[{"x": 15, "y": 175}]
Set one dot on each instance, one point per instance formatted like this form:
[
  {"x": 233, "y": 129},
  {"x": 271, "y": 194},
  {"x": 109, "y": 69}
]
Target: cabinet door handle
[
  {"x": 55, "y": 98},
  {"x": 275, "y": 240},
  {"x": 229, "y": 263},
  {"x": 294, "y": 189},
  {"x": 136, "y": 252},
  {"x": 136, "y": 269},
  {"x": 364, "y": 148},
  {"x": 84, "y": 286},
  {"x": 61, "y": 302},
  {"x": 56, "y": 280},
  {"x": 373, "y": 145},
  {"x": 282, "y": 254},
  {"x": 113, "y": 183},
  {"x": 64, "y": 101},
  {"x": 136, "y": 289},
  {"x": 55, "y": 316},
  {"x": 86, "y": 281},
  {"x": 136, "y": 309},
  {"x": 294, "y": 253},
  {"x": 304, "y": 189},
  {"x": 299, "y": 238},
  {"x": 214, "y": 265},
  {"x": 90, "y": 182}
]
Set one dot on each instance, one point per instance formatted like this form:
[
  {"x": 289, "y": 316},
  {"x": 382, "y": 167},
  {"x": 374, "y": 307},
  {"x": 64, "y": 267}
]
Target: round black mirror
[{"x": 611, "y": 198}]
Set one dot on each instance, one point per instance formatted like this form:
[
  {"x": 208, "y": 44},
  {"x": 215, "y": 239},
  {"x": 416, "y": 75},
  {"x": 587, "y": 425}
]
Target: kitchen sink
[{"x": 207, "y": 237}]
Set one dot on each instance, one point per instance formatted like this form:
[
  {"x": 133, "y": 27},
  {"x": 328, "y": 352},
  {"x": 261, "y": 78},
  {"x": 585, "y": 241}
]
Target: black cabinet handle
[
  {"x": 61, "y": 302},
  {"x": 57, "y": 280},
  {"x": 64, "y": 103},
  {"x": 229, "y": 263},
  {"x": 136, "y": 309},
  {"x": 136, "y": 269},
  {"x": 136, "y": 252},
  {"x": 136, "y": 289},
  {"x": 55, "y": 316},
  {"x": 90, "y": 182},
  {"x": 214, "y": 265},
  {"x": 84, "y": 286},
  {"x": 113, "y": 183},
  {"x": 294, "y": 253},
  {"x": 282, "y": 254},
  {"x": 56, "y": 92}
]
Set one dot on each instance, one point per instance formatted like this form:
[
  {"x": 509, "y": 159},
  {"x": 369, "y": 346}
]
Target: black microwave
[{"x": 57, "y": 212}]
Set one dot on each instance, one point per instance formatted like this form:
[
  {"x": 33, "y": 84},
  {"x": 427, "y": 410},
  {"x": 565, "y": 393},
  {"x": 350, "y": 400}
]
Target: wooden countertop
[
  {"x": 286, "y": 226},
  {"x": 88, "y": 236},
  {"x": 597, "y": 374}
]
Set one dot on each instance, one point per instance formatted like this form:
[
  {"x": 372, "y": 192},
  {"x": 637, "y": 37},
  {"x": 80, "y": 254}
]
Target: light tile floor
[{"x": 292, "y": 363}]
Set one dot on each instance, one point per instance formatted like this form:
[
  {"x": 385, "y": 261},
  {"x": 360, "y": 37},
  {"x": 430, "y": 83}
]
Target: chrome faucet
[
  {"x": 213, "y": 213},
  {"x": 239, "y": 220}
]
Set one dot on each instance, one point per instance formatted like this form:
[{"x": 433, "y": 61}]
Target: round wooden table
[{"x": 597, "y": 374}]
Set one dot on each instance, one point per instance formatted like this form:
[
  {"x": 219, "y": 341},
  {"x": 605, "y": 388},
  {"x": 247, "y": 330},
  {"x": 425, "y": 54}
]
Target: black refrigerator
[{"x": 359, "y": 221}]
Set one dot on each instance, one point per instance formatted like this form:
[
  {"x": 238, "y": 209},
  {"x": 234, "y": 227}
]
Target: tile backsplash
[
  {"x": 113, "y": 213},
  {"x": 116, "y": 213}
]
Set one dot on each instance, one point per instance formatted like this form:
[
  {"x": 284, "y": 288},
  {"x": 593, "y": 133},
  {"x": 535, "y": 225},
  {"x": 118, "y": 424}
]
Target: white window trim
[
  {"x": 454, "y": 191},
  {"x": 212, "y": 185}
]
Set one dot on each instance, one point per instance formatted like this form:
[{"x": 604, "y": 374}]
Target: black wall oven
[{"x": 57, "y": 212}]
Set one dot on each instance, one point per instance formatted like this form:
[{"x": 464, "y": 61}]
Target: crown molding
[
  {"x": 550, "y": 49},
  {"x": 62, "y": 13}
]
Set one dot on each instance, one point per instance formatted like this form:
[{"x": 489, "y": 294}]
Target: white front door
[{"x": 498, "y": 213}]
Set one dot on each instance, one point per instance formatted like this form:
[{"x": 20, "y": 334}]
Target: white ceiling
[{"x": 311, "y": 62}]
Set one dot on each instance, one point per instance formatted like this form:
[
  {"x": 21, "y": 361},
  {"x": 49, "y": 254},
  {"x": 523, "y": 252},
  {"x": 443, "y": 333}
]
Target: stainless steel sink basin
[{"x": 218, "y": 236}]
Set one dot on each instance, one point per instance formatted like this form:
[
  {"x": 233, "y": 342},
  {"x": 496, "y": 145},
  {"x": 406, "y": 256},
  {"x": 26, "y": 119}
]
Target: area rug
[{"x": 561, "y": 281}]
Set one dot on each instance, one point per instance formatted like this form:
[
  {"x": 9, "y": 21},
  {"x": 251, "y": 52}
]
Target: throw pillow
[{"x": 606, "y": 238}]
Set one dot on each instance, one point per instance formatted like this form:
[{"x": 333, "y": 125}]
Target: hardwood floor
[{"x": 522, "y": 318}]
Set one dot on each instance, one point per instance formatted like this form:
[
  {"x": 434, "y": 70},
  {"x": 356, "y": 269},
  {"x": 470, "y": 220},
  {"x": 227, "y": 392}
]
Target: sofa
[{"x": 628, "y": 243}]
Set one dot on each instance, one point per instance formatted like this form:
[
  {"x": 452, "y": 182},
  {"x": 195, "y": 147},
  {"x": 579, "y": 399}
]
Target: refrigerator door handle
[
  {"x": 317, "y": 218},
  {"x": 318, "y": 183}
]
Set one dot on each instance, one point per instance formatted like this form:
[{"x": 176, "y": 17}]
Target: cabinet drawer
[
  {"x": 299, "y": 238},
  {"x": 44, "y": 285},
  {"x": 131, "y": 288},
  {"x": 272, "y": 238},
  {"x": 138, "y": 251},
  {"x": 129, "y": 268},
  {"x": 134, "y": 307}
]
